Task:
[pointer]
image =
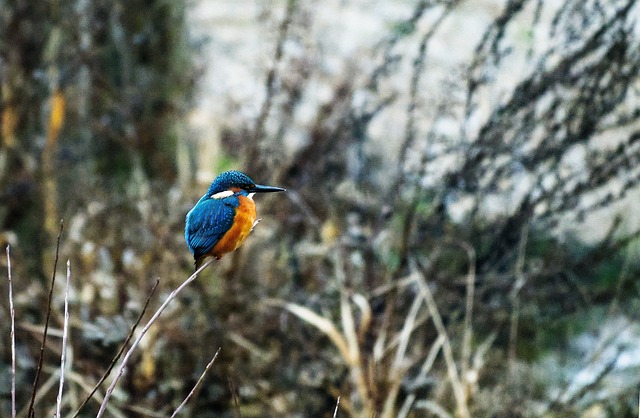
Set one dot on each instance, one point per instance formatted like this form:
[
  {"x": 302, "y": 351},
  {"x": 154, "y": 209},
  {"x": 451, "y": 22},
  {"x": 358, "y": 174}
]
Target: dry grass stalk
[
  {"x": 65, "y": 331},
  {"x": 355, "y": 355},
  {"x": 13, "y": 336},
  {"x": 355, "y": 358},
  {"x": 335, "y": 411},
  {"x": 399, "y": 365},
  {"x": 323, "y": 324},
  {"x": 156, "y": 315},
  {"x": 459, "y": 391},
  {"x": 46, "y": 328},
  {"x": 365, "y": 314},
  {"x": 426, "y": 368},
  {"x": 363, "y": 378},
  {"x": 347, "y": 340}
]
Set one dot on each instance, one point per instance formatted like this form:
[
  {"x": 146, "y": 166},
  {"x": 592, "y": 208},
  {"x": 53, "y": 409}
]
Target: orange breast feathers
[{"x": 242, "y": 225}]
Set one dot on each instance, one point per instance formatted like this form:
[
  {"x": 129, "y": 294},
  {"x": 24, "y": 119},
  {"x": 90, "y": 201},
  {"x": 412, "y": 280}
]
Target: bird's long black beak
[{"x": 258, "y": 188}]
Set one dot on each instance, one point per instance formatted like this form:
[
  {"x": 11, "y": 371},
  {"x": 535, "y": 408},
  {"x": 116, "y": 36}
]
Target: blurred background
[{"x": 459, "y": 236}]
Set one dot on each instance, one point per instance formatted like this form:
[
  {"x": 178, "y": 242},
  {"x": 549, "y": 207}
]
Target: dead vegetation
[{"x": 436, "y": 280}]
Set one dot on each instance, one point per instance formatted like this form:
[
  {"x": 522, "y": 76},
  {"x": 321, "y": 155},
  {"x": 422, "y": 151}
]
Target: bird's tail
[{"x": 199, "y": 261}]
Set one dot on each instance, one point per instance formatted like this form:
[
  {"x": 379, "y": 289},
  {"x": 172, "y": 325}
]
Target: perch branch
[
  {"x": 153, "y": 319},
  {"x": 117, "y": 357}
]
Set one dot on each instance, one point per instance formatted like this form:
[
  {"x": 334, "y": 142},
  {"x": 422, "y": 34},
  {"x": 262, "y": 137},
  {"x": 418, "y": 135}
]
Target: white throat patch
[{"x": 222, "y": 195}]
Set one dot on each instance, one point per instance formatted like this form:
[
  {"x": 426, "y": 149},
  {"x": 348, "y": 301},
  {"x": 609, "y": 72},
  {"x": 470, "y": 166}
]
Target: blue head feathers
[
  {"x": 229, "y": 179},
  {"x": 235, "y": 179}
]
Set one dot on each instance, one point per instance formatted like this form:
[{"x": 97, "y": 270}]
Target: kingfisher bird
[{"x": 223, "y": 218}]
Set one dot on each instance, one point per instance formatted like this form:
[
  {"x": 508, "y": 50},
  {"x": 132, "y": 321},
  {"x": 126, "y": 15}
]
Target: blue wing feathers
[{"x": 207, "y": 222}]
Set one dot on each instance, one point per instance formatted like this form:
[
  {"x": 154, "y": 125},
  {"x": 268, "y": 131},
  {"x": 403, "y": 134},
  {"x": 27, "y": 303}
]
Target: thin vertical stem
[
  {"x": 65, "y": 331},
  {"x": 13, "y": 337},
  {"x": 335, "y": 411},
  {"x": 31, "y": 412}
]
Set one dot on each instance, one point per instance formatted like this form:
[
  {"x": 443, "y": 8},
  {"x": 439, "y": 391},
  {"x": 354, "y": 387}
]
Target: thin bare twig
[
  {"x": 31, "y": 412},
  {"x": 124, "y": 345},
  {"x": 65, "y": 331},
  {"x": 206, "y": 369},
  {"x": 13, "y": 337},
  {"x": 335, "y": 411},
  {"x": 135, "y": 344}
]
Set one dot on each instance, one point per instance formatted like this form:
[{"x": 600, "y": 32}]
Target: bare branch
[
  {"x": 206, "y": 369},
  {"x": 153, "y": 319},
  {"x": 124, "y": 345}
]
